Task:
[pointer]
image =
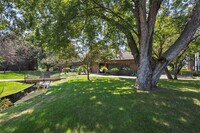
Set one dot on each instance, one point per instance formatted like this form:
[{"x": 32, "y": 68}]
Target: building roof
[{"x": 124, "y": 56}]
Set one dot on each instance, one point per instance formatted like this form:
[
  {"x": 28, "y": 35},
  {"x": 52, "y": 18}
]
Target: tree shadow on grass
[{"x": 109, "y": 105}]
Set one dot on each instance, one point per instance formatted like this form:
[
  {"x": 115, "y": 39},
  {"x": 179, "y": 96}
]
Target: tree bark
[
  {"x": 176, "y": 71},
  {"x": 169, "y": 76},
  {"x": 88, "y": 72},
  {"x": 146, "y": 62},
  {"x": 181, "y": 43}
]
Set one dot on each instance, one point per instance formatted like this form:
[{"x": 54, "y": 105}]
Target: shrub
[
  {"x": 41, "y": 69},
  {"x": 104, "y": 69},
  {"x": 5, "y": 103},
  {"x": 81, "y": 68},
  {"x": 66, "y": 70},
  {"x": 78, "y": 70},
  {"x": 72, "y": 70},
  {"x": 184, "y": 69},
  {"x": 196, "y": 73},
  {"x": 114, "y": 70}
]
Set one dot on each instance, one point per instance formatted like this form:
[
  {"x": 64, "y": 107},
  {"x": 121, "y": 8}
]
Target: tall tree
[
  {"x": 133, "y": 19},
  {"x": 15, "y": 51}
]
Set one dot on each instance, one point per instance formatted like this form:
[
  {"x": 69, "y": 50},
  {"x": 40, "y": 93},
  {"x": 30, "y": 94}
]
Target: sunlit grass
[
  {"x": 33, "y": 74},
  {"x": 108, "y": 105},
  {"x": 11, "y": 87},
  {"x": 12, "y": 75}
]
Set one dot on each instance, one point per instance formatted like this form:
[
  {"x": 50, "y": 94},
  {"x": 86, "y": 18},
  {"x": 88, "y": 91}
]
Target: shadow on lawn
[{"x": 109, "y": 105}]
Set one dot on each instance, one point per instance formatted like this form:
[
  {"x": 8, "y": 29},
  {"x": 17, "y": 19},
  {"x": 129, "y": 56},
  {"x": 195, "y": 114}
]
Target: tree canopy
[{"x": 129, "y": 23}]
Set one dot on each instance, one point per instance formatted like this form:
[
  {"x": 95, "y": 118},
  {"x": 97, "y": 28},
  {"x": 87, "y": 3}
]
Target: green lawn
[
  {"x": 12, "y": 75},
  {"x": 32, "y": 74},
  {"x": 107, "y": 105},
  {"x": 11, "y": 87}
]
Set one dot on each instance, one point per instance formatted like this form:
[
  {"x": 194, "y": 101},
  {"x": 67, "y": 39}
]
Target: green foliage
[
  {"x": 41, "y": 69},
  {"x": 80, "y": 69},
  {"x": 184, "y": 69},
  {"x": 196, "y": 73},
  {"x": 67, "y": 69},
  {"x": 104, "y": 69},
  {"x": 114, "y": 70}
]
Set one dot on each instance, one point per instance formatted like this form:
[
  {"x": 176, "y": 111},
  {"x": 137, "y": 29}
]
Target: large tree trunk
[
  {"x": 144, "y": 77},
  {"x": 181, "y": 43},
  {"x": 149, "y": 71},
  {"x": 146, "y": 25}
]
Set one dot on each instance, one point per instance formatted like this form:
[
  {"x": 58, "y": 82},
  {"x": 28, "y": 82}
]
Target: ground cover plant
[
  {"x": 11, "y": 87},
  {"x": 107, "y": 105}
]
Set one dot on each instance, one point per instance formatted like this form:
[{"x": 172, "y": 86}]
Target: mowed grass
[
  {"x": 12, "y": 75},
  {"x": 11, "y": 87},
  {"x": 107, "y": 105}
]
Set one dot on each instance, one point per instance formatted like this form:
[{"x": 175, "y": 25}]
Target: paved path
[
  {"x": 112, "y": 76},
  {"x": 133, "y": 77}
]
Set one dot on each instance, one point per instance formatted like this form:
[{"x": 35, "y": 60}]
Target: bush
[
  {"x": 78, "y": 70},
  {"x": 184, "y": 69},
  {"x": 114, "y": 70},
  {"x": 81, "y": 69},
  {"x": 5, "y": 103},
  {"x": 72, "y": 70},
  {"x": 41, "y": 69},
  {"x": 66, "y": 70},
  {"x": 104, "y": 69},
  {"x": 196, "y": 73}
]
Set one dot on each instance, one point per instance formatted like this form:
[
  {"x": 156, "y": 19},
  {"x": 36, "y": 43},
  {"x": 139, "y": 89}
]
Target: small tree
[{"x": 96, "y": 52}]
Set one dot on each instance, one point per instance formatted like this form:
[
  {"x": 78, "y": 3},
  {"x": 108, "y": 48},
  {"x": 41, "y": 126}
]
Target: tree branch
[
  {"x": 184, "y": 40},
  {"x": 136, "y": 14},
  {"x": 186, "y": 36},
  {"x": 153, "y": 10},
  {"x": 108, "y": 10},
  {"x": 131, "y": 41}
]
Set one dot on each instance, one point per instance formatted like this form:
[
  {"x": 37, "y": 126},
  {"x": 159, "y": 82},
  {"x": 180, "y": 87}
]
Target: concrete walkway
[{"x": 133, "y": 77}]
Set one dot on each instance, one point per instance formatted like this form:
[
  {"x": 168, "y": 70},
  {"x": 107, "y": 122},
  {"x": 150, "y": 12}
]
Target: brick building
[{"x": 125, "y": 63}]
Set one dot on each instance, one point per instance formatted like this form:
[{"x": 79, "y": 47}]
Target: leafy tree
[
  {"x": 63, "y": 20},
  {"x": 95, "y": 53},
  {"x": 7, "y": 52},
  {"x": 15, "y": 51}
]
